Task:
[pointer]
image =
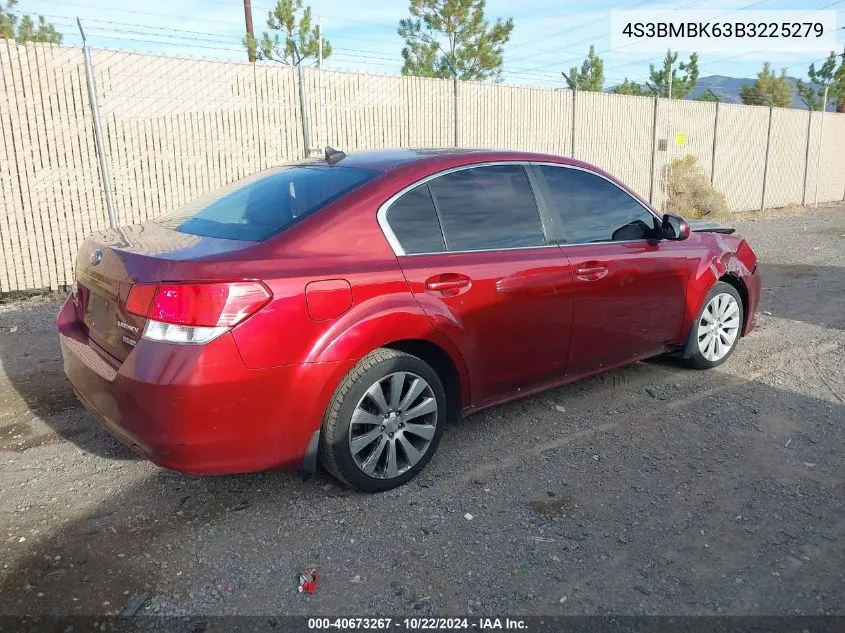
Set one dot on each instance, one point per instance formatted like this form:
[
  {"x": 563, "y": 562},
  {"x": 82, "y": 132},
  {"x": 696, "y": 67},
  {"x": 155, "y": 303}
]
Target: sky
[{"x": 550, "y": 36}]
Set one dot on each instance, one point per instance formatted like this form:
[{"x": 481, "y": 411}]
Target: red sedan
[{"x": 346, "y": 309}]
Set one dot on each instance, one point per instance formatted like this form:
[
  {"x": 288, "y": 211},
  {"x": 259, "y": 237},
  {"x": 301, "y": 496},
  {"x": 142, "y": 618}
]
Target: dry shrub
[{"x": 690, "y": 193}]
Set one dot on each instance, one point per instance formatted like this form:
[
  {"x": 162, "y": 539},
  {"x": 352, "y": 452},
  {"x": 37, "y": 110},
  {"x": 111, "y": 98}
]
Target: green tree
[
  {"x": 629, "y": 87},
  {"x": 712, "y": 97},
  {"x": 444, "y": 38},
  {"x": 768, "y": 89},
  {"x": 591, "y": 75},
  {"x": 682, "y": 82},
  {"x": 826, "y": 76},
  {"x": 25, "y": 28},
  {"x": 291, "y": 38}
]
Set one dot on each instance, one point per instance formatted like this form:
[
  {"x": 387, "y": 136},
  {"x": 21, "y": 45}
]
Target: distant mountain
[{"x": 729, "y": 87}]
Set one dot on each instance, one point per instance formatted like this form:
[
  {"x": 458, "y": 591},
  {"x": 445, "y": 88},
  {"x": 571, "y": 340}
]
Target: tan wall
[
  {"x": 787, "y": 156},
  {"x": 175, "y": 128},
  {"x": 529, "y": 119},
  {"x": 826, "y": 173}
]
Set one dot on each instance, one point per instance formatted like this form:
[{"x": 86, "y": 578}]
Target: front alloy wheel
[
  {"x": 717, "y": 330},
  {"x": 718, "y": 327}
]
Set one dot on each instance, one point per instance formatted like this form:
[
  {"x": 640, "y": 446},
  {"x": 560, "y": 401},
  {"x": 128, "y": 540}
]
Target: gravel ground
[{"x": 652, "y": 489}]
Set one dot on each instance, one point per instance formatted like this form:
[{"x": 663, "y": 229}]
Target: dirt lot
[{"x": 652, "y": 489}]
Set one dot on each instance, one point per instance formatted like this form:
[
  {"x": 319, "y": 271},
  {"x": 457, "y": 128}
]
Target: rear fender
[{"x": 379, "y": 323}]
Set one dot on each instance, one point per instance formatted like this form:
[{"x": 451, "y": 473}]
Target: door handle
[
  {"x": 591, "y": 272},
  {"x": 448, "y": 284}
]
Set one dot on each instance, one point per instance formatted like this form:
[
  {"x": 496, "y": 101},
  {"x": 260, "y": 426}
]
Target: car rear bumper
[{"x": 198, "y": 409}]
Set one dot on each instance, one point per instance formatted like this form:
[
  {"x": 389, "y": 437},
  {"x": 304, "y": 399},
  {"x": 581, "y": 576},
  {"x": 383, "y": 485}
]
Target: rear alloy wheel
[
  {"x": 717, "y": 330},
  {"x": 393, "y": 425},
  {"x": 384, "y": 422}
]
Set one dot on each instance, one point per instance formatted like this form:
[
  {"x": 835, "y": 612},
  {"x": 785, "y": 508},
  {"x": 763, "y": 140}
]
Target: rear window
[{"x": 267, "y": 203}]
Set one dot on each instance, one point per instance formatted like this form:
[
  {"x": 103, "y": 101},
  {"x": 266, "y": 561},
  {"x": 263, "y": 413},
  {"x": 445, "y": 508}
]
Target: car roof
[{"x": 388, "y": 159}]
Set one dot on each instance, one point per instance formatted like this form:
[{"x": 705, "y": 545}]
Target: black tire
[
  {"x": 693, "y": 355},
  {"x": 335, "y": 451}
]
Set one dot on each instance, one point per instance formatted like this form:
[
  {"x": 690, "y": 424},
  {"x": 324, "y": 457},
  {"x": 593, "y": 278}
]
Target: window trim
[
  {"x": 539, "y": 202},
  {"x": 544, "y": 186}
]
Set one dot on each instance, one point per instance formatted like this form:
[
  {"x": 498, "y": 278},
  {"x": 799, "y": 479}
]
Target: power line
[
  {"x": 105, "y": 31},
  {"x": 95, "y": 25},
  {"x": 190, "y": 18},
  {"x": 108, "y": 36},
  {"x": 94, "y": 22},
  {"x": 604, "y": 35},
  {"x": 577, "y": 27},
  {"x": 197, "y": 39}
]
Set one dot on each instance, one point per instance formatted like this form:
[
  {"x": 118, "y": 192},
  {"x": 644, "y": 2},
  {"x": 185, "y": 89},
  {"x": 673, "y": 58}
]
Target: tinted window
[
  {"x": 487, "y": 208},
  {"x": 591, "y": 209},
  {"x": 267, "y": 203},
  {"x": 414, "y": 222}
]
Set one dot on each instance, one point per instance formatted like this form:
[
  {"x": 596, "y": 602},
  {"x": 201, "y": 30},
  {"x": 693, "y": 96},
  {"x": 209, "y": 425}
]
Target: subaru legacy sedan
[{"x": 345, "y": 310}]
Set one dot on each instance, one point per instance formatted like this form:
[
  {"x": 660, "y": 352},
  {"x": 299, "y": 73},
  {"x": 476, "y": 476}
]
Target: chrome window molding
[
  {"x": 396, "y": 246},
  {"x": 385, "y": 207}
]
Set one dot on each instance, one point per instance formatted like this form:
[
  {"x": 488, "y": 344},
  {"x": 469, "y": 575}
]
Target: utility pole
[
  {"x": 321, "y": 144},
  {"x": 668, "y": 133},
  {"x": 456, "y": 86},
  {"x": 841, "y": 104},
  {"x": 250, "y": 32},
  {"x": 664, "y": 189},
  {"x": 105, "y": 173},
  {"x": 819, "y": 152},
  {"x": 574, "y": 87},
  {"x": 303, "y": 105}
]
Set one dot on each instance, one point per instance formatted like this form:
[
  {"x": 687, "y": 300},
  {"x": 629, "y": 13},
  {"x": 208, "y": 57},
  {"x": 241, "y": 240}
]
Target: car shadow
[
  {"x": 234, "y": 544},
  {"x": 38, "y": 403}
]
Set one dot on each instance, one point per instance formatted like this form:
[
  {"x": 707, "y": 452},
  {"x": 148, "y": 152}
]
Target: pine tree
[
  {"x": 828, "y": 75},
  {"x": 629, "y": 87},
  {"x": 291, "y": 38},
  {"x": 25, "y": 28},
  {"x": 712, "y": 97},
  {"x": 591, "y": 75},
  {"x": 444, "y": 38},
  {"x": 682, "y": 82},
  {"x": 768, "y": 89}
]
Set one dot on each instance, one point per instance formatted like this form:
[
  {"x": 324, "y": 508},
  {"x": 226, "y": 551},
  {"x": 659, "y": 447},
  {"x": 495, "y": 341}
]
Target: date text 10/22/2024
[{"x": 417, "y": 624}]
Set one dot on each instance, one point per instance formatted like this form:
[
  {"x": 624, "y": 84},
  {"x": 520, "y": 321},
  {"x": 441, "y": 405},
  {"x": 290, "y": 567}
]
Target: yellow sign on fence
[{"x": 680, "y": 138}]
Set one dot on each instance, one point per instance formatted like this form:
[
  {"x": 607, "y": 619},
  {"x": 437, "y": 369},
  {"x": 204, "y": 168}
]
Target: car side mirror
[{"x": 675, "y": 227}]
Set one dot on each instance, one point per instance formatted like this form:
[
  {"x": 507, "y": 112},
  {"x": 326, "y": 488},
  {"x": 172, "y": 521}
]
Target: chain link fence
[{"x": 174, "y": 128}]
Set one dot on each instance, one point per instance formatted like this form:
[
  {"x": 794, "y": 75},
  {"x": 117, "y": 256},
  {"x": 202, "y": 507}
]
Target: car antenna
[{"x": 333, "y": 156}]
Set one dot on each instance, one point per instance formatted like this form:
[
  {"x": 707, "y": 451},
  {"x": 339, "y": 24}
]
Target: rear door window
[
  {"x": 413, "y": 220},
  {"x": 487, "y": 208},
  {"x": 263, "y": 205},
  {"x": 592, "y": 209}
]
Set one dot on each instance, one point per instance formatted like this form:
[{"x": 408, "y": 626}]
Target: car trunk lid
[{"x": 110, "y": 262}]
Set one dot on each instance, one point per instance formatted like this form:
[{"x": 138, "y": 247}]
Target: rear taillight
[{"x": 195, "y": 313}]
